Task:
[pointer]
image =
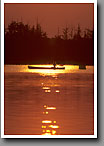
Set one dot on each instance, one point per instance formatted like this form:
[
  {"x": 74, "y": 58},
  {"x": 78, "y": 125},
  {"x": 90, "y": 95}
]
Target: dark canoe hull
[{"x": 34, "y": 67}]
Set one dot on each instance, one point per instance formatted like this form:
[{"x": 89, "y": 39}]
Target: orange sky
[{"x": 51, "y": 16}]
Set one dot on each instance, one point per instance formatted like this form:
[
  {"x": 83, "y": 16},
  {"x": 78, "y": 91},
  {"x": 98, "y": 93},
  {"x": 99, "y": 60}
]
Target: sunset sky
[{"x": 51, "y": 16}]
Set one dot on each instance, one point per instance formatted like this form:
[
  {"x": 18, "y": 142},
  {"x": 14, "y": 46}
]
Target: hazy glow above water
[{"x": 48, "y": 72}]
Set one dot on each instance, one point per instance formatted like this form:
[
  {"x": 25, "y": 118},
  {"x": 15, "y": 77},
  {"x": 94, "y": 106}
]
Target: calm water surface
[{"x": 49, "y": 102}]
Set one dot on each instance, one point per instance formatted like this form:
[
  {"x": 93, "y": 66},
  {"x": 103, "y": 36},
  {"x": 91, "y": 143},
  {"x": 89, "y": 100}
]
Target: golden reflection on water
[
  {"x": 57, "y": 91},
  {"x": 45, "y": 113},
  {"x": 53, "y": 132},
  {"x": 54, "y": 126},
  {"x": 46, "y": 134},
  {"x": 48, "y": 107},
  {"x": 49, "y": 127},
  {"x": 43, "y": 126},
  {"x": 49, "y": 124},
  {"x": 46, "y": 88},
  {"x": 52, "y": 72},
  {"x": 46, "y": 121},
  {"x": 51, "y": 108}
]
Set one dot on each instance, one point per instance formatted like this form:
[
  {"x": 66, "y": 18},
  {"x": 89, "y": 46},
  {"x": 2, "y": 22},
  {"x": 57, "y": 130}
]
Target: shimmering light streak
[
  {"x": 46, "y": 88},
  {"x": 49, "y": 107},
  {"x": 46, "y": 134},
  {"x": 53, "y": 132},
  {"x": 43, "y": 126},
  {"x": 49, "y": 126},
  {"x": 48, "y": 131},
  {"x": 57, "y": 91},
  {"x": 46, "y": 121},
  {"x": 54, "y": 126},
  {"x": 48, "y": 91},
  {"x": 45, "y": 113}
]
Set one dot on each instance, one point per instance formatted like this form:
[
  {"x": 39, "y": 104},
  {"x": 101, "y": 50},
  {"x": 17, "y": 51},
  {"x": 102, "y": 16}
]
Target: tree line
[{"x": 26, "y": 44}]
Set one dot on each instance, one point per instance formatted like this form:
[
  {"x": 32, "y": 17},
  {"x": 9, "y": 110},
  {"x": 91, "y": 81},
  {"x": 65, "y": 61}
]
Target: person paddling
[{"x": 54, "y": 64}]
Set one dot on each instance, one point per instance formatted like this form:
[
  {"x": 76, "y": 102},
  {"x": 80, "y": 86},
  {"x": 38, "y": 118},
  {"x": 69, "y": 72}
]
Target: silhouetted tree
[
  {"x": 71, "y": 33},
  {"x": 58, "y": 36},
  {"x": 65, "y": 33},
  {"x": 77, "y": 35},
  {"x": 89, "y": 33}
]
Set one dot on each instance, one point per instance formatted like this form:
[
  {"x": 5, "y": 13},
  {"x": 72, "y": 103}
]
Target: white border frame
[{"x": 95, "y": 69}]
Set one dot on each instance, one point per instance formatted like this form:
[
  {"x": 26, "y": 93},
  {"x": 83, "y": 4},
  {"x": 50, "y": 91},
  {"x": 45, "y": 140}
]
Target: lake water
[{"x": 49, "y": 102}]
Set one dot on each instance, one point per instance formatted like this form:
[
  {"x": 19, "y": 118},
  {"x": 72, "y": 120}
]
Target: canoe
[{"x": 34, "y": 67}]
